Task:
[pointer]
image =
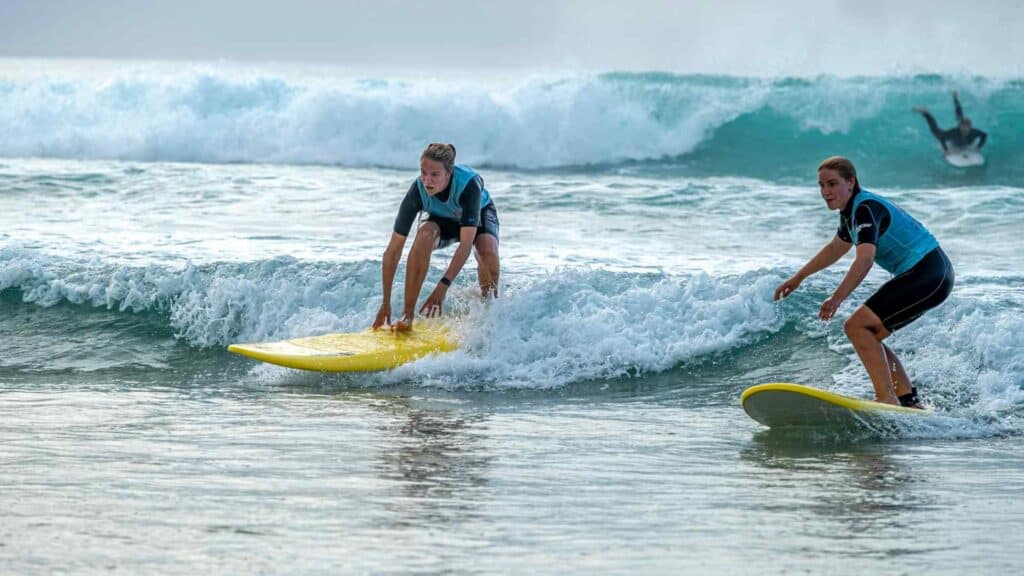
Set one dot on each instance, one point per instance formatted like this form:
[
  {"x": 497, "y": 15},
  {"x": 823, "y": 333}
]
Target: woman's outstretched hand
[
  {"x": 432, "y": 306},
  {"x": 787, "y": 287},
  {"x": 404, "y": 324},
  {"x": 383, "y": 316},
  {"x": 829, "y": 307}
]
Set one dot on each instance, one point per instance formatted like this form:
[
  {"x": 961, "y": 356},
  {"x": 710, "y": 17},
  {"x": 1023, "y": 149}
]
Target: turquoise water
[{"x": 151, "y": 215}]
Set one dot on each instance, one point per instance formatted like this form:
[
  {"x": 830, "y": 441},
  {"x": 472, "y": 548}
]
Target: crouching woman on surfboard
[
  {"x": 459, "y": 209},
  {"x": 883, "y": 233}
]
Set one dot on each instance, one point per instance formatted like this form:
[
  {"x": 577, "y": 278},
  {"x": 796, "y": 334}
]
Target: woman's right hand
[
  {"x": 404, "y": 324},
  {"x": 787, "y": 287},
  {"x": 383, "y": 316}
]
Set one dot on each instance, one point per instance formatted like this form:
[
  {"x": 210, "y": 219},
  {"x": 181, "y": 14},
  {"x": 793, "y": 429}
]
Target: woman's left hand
[
  {"x": 432, "y": 307},
  {"x": 829, "y": 307}
]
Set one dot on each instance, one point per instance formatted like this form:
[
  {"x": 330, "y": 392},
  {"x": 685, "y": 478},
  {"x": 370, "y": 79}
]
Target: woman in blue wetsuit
[
  {"x": 883, "y": 233},
  {"x": 459, "y": 209}
]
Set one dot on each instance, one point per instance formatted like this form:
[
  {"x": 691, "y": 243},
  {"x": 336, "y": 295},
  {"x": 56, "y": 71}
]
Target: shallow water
[{"x": 660, "y": 475}]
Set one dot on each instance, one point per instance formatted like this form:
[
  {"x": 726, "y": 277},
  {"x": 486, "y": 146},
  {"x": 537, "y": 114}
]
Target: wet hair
[
  {"x": 844, "y": 167},
  {"x": 443, "y": 153}
]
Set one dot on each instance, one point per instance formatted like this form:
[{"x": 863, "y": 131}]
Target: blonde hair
[
  {"x": 844, "y": 167},
  {"x": 443, "y": 153}
]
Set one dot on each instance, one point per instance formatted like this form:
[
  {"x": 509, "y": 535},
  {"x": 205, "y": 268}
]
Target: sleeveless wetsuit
[
  {"x": 469, "y": 205},
  {"x": 923, "y": 275}
]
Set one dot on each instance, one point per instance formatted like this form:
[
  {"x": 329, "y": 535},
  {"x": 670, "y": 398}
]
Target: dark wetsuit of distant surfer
[{"x": 959, "y": 138}]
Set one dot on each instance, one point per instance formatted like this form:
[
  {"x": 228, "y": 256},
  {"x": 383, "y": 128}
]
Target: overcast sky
[{"x": 734, "y": 37}]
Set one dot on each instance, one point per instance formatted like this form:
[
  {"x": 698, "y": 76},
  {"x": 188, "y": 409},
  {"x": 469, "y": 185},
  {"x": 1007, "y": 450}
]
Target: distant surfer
[
  {"x": 459, "y": 209},
  {"x": 883, "y": 233},
  {"x": 954, "y": 139}
]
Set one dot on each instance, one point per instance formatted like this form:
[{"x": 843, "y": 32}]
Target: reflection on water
[
  {"x": 431, "y": 453},
  {"x": 435, "y": 457},
  {"x": 865, "y": 495},
  {"x": 428, "y": 453}
]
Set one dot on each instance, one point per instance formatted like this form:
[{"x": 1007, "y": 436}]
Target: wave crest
[{"x": 705, "y": 123}]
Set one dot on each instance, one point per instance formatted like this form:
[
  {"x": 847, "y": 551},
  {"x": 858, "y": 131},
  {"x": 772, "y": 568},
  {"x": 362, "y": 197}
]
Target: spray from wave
[
  {"x": 721, "y": 125},
  {"x": 551, "y": 329}
]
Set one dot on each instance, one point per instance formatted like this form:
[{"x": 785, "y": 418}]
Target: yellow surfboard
[
  {"x": 365, "y": 351},
  {"x": 779, "y": 404}
]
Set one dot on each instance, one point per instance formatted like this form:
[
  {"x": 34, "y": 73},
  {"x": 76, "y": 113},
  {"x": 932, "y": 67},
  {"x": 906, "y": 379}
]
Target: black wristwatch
[{"x": 446, "y": 281}]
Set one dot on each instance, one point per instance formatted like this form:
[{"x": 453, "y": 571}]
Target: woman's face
[
  {"x": 435, "y": 178},
  {"x": 835, "y": 189}
]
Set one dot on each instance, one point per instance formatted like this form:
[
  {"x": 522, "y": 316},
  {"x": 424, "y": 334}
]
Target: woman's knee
[
  {"x": 486, "y": 247},
  {"x": 851, "y": 328},
  {"x": 427, "y": 237},
  {"x": 863, "y": 323}
]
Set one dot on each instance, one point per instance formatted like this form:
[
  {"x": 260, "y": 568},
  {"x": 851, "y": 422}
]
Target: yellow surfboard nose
[{"x": 366, "y": 351}]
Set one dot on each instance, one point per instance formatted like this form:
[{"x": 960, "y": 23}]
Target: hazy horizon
[{"x": 795, "y": 37}]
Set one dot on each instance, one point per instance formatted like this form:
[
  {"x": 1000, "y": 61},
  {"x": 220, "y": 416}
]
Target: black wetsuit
[
  {"x": 485, "y": 218},
  {"x": 954, "y": 138}
]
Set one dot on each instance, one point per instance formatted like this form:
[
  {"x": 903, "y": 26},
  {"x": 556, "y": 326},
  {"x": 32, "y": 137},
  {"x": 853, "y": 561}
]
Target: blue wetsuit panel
[{"x": 412, "y": 205}]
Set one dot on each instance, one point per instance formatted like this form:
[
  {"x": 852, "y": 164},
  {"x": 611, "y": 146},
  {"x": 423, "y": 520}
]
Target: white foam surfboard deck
[{"x": 965, "y": 158}]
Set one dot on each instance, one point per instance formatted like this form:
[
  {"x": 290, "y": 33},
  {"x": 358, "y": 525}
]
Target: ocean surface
[{"x": 153, "y": 213}]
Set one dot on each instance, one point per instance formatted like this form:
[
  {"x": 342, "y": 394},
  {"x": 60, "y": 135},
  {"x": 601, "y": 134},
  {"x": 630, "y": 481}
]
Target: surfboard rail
[
  {"x": 366, "y": 351},
  {"x": 780, "y": 404}
]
